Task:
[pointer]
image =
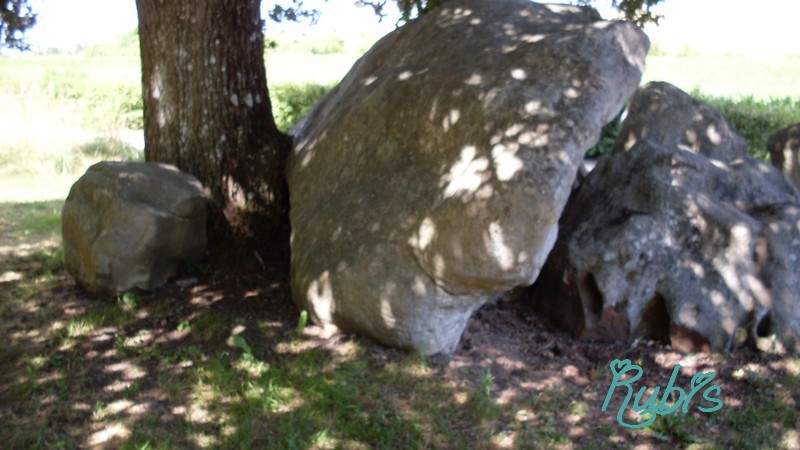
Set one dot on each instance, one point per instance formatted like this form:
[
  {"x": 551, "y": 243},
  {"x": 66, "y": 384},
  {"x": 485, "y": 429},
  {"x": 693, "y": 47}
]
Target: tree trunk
[{"x": 207, "y": 110}]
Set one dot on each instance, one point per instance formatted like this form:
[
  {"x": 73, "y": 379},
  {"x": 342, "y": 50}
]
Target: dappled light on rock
[
  {"x": 431, "y": 179},
  {"x": 784, "y": 152},
  {"x": 663, "y": 113},
  {"x": 674, "y": 247}
]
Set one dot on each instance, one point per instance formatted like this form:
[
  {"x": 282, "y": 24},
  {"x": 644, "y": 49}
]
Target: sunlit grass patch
[
  {"x": 111, "y": 314},
  {"x": 770, "y": 407},
  {"x": 29, "y": 226},
  {"x": 300, "y": 400},
  {"x": 80, "y": 327},
  {"x": 481, "y": 406}
]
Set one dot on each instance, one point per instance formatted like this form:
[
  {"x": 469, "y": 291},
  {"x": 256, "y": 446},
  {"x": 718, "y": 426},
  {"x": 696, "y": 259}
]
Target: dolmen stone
[
  {"x": 431, "y": 179},
  {"x": 663, "y": 113},
  {"x": 783, "y": 149},
  {"x": 128, "y": 225},
  {"x": 662, "y": 242}
]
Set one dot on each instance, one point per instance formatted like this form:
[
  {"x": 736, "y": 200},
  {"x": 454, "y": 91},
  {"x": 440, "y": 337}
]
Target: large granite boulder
[
  {"x": 129, "y": 225},
  {"x": 663, "y": 243},
  {"x": 783, "y": 149},
  {"x": 432, "y": 178},
  {"x": 663, "y": 113}
]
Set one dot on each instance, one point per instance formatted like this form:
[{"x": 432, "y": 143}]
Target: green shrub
[
  {"x": 608, "y": 135},
  {"x": 291, "y": 102}
]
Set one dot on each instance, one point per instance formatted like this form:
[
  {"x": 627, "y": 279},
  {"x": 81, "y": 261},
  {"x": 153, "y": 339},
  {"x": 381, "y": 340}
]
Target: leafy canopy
[
  {"x": 638, "y": 11},
  {"x": 15, "y": 18}
]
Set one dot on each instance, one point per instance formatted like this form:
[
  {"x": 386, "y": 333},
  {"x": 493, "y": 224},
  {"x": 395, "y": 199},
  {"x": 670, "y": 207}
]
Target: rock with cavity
[
  {"x": 662, "y": 243},
  {"x": 663, "y": 113},
  {"x": 783, "y": 148},
  {"x": 431, "y": 179},
  {"x": 129, "y": 225}
]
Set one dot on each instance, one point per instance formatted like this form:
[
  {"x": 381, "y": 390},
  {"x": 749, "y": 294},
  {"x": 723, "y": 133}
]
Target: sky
[{"x": 762, "y": 28}]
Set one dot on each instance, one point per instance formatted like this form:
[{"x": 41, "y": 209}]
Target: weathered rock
[
  {"x": 432, "y": 178},
  {"x": 663, "y": 243},
  {"x": 783, "y": 149},
  {"x": 130, "y": 225},
  {"x": 663, "y": 113}
]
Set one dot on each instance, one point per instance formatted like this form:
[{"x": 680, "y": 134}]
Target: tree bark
[{"x": 207, "y": 110}]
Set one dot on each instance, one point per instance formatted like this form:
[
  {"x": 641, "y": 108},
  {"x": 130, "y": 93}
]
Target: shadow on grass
[{"x": 163, "y": 370}]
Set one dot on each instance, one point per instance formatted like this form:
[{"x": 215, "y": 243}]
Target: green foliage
[
  {"x": 241, "y": 344},
  {"x": 185, "y": 326},
  {"x": 638, "y": 11},
  {"x": 290, "y": 102},
  {"x": 302, "y": 322},
  {"x": 128, "y": 302},
  {"x": 481, "y": 406},
  {"x": 672, "y": 428},
  {"x": 294, "y": 12},
  {"x": 209, "y": 326},
  {"x": 608, "y": 135},
  {"x": 16, "y": 17}
]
